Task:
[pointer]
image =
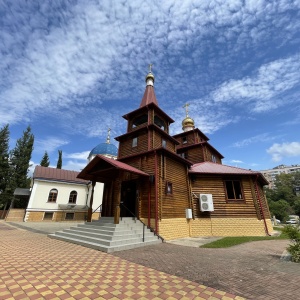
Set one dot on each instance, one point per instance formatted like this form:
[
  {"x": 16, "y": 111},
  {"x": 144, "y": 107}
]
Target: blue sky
[{"x": 71, "y": 69}]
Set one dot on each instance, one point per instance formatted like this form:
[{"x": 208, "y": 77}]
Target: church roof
[
  {"x": 214, "y": 168},
  {"x": 104, "y": 169},
  {"x": 149, "y": 96},
  {"x": 104, "y": 148},
  {"x": 56, "y": 175}
]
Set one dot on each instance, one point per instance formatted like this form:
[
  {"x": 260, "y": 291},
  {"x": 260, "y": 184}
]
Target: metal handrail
[
  {"x": 144, "y": 225},
  {"x": 100, "y": 206}
]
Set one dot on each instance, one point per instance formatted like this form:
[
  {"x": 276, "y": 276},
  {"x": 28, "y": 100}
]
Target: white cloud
[
  {"x": 236, "y": 161},
  {"x": 94, "y": 53},
  {"x": 264, "y": 137},
  {"x": 279, "y": 151},
  {"x": 79, "y": 155},
  {"x": 74, "y": 165},
  {"x": 49, "y": 144},
  {"x": 260, "y": 91}
]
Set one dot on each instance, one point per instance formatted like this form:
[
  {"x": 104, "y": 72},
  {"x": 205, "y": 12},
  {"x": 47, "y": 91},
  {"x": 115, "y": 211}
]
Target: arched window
[
  {"x": 73, "y": 197},
  {"x": 52, "y": 195}
]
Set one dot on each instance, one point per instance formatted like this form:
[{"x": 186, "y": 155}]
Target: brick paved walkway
[
  {"x": 33, "y": 266},
  {"x": 252, "y": 270}
]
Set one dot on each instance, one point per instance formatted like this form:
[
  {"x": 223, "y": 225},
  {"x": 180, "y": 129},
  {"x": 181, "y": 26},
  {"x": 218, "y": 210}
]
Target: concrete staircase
[{"x": 104, "y": 235}]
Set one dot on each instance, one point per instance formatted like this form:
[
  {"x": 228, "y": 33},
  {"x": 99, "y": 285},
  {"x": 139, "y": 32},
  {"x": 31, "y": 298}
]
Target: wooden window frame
[
  {"x": 169, "y": 188},
  {"x": 164, "y": 143},
  {"x": 234, "y": 190},
  {"x": 73, "y": 195},
  {"x": 52, "y": 197},
  {"x": 184, "y": 140}
]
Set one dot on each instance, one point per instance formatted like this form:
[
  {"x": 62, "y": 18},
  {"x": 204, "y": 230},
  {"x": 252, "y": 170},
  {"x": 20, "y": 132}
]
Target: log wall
[
  {"x": 174, "y": 205},
  {"x": 246, "y": 208}
]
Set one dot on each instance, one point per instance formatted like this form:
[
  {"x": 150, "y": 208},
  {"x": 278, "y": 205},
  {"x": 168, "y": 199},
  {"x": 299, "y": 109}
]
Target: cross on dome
[
  {"x": 186, "y": 106},
  {"x": 108, "y": 136}
]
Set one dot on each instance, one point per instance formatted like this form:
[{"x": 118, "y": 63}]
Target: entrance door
[{"x": 128, "y": 199}]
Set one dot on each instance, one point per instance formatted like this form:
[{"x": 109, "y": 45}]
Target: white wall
[{"x": 40, "y": 192}]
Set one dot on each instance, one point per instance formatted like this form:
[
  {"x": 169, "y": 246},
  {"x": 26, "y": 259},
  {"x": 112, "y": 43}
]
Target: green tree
[
  {"x": 280, "y": 209},
  {"x": 4, "y": 164},
  {"x": 20, "y": 160},
  {"x": 285, "y": 187},
  {"x": 284, "y": 193},
  {"x": 45, "y": 162},
  {"x": 59, "y": 161}
]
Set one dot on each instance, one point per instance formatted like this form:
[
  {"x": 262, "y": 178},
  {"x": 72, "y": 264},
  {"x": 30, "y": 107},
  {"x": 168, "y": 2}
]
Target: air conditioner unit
[{"x": 206, "y": 202}]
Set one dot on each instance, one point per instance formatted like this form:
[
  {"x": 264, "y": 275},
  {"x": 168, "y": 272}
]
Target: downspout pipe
[
  {"x": 156, "y": 193},
  {"x": 149, "y": 202},
  {"x": 261, "y": 208}
]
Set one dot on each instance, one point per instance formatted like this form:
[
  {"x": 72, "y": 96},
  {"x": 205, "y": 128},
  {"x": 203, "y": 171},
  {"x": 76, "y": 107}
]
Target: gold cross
[
  {"x": 150, "y": 67},
  {"x": 186, "y": 106}
]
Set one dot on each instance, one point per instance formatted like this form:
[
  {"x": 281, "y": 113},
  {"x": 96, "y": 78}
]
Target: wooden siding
[
  {"x": 215, "y": 185},
  {"x": 173, "y": 206},
  {"x": 157, "y": 142},
  {"x": 191, "y": 139},
  {"x": 208, "y": 153},
  {"x": 126, "y": 149},
  {"x": 195, "y": 154}
]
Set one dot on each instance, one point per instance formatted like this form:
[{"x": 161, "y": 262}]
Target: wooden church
[{"x": 177, "y": 185}]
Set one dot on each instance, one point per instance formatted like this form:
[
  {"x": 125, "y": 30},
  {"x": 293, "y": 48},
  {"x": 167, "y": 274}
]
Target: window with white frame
[{"x": 52, "y": 195}]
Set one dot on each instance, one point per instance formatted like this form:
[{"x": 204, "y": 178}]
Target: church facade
[{"x": 177, "y": 185}]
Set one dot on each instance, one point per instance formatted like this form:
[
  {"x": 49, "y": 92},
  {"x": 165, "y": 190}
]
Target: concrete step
[
  {"x": 101, "y": 241},
  {"x": 107, "y": 249},
  {"x": 105, "y": 236}
]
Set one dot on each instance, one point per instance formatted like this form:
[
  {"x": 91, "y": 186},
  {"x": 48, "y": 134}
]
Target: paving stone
[{"x": 42, "y": 268}]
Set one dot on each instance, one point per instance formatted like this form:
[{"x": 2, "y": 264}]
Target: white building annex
[{"x": 58, "y": 195}]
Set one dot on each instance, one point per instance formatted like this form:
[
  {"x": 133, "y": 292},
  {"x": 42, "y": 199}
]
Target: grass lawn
[{"x": 236, "y": 240}]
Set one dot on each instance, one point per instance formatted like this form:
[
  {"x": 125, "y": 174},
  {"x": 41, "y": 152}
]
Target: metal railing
[
  {"x": 100, "y": 206},
  {"x": 136, "y": 218}
]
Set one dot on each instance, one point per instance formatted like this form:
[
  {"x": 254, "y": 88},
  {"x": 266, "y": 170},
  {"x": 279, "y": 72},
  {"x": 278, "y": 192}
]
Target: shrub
[{"x": 293, "y": 233}]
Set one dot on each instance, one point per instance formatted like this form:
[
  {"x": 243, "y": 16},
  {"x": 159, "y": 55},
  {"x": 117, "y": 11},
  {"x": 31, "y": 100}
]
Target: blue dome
[{"x": 104, "y": 148}]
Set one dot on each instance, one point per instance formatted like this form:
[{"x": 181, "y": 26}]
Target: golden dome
[
  {"x": 188, "y": 124},
  {"x": 149, "y": 76}
]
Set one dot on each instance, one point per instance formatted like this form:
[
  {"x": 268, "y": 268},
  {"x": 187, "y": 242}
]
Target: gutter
[{"x": 261, "y": 208}]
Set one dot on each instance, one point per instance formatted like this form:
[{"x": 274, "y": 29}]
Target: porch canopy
[{"x": 103, "y": 169}]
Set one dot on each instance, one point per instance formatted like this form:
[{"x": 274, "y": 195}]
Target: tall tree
[
  {"x": 20, "y": 159},
  {"x": 4, "y": 164},
  {"x": 4, "y": 155},
  {"x": 45, "y": 162},
  {"x": 59, "y": 161}
]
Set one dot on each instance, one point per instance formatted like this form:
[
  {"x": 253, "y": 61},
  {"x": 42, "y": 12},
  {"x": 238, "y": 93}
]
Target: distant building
[{"x": 270, "y": 174}]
